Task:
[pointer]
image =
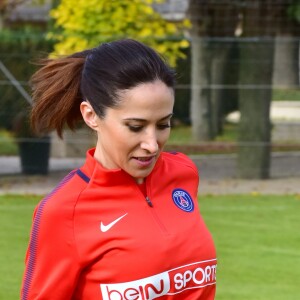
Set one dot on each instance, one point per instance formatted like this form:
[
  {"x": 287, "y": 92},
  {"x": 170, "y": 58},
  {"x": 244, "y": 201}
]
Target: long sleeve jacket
[{"x": 97, "y": 236}]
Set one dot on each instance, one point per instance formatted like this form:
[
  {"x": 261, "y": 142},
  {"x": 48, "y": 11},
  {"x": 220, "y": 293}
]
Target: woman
[{"x": 126, "y": 224}]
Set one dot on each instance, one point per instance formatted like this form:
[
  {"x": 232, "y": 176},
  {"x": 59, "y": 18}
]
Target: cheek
[
  {"x": 123, "y": 140},
  {"x": 111, "y": 138},
  {"x": 163, "y": 137}
]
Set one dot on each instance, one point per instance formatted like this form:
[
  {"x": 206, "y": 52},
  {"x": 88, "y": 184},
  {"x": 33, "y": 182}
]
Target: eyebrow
[{"x": 143, "y": 120}]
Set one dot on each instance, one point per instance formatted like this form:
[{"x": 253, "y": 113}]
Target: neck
[{"x": 139, "y": 180}]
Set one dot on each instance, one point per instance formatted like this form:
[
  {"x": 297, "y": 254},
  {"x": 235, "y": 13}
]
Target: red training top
[{"x": 96, "y": 236}]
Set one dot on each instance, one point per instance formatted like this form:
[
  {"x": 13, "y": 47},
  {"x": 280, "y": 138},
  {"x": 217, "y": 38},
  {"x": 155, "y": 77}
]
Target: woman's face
[{"x": 132, "y": 135}]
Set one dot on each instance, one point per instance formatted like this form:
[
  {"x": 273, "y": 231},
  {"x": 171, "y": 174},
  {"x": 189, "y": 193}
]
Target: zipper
[
  {"x": 149, "y": 201},
  {"x": 158, "y": 221},
  {"x": 152, "y": 208},
  {"x": 153, "y": 212}
]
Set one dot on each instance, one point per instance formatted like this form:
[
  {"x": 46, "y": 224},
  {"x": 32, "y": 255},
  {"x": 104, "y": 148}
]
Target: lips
[
  {"x": 144, "y": 161},
  {"x": 144, "y": 158}
]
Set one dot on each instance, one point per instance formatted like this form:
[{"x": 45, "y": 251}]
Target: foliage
[
  {"x": 294, "y": 10},
  {"x": 84, "y": 24},
  {"x": 7, "y": 143}
]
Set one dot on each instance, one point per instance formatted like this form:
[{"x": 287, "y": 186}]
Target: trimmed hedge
[{"x": 18, "y": 50}]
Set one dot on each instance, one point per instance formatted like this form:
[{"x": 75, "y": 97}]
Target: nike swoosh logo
[{"x": 105, "y": 228}]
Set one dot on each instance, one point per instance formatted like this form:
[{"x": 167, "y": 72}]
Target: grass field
[
  {"x": 258, "y": 245},
  {"x": 257, "y": 240}
]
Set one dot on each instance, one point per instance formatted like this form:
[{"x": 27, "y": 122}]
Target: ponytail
[{"x": 56, "y": 93}]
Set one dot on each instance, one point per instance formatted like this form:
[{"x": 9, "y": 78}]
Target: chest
[{"x": 122, "y": 239}]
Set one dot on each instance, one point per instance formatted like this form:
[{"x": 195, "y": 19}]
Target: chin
[{"x": 141, "y": 174}]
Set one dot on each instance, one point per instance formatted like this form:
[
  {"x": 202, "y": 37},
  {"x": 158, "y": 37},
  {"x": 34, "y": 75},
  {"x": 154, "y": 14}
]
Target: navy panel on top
[{"x": 83, "y": 176}]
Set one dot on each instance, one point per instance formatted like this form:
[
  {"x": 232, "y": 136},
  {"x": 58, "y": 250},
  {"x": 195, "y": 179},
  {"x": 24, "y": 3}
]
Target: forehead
[{"x": 148, "y": 97}]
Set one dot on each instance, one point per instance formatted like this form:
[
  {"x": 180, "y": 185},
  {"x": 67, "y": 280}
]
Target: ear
[{"x": 88, "y": 114}]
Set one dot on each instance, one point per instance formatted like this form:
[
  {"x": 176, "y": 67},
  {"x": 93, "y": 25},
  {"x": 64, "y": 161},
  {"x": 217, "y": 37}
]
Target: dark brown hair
[{"x": 96, "y": 75}]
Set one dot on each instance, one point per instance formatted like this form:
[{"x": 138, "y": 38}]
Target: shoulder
[
  {"x": 180, "y": 160},
  {"x": 179, "y": 172},
  {"x": 61, "y": 201}
]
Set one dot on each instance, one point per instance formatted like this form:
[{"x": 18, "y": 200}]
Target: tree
[
  {"x": 255, "y": 94},
  {"x": 286, "y": 66},
  {"x": 83, "y": 24},
  {"x": 258, "y": 24},
  {"x": 211, "y": 22},
  {"x": 260, "y": 27}
]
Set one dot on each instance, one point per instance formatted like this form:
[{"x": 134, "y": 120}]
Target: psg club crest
[{"x": 183, "y": 200}]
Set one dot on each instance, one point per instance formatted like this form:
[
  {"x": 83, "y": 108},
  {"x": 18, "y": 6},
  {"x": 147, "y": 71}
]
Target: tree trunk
[
  {"x": 200, "y": 95},
  {"x": 1, "y": 20},
  {"x": 211, "y": 20},
  {"x": 254, "y": 141},
  {"x": 256, "y": 67},
  {"x": 286, "y": 62},
  {"x": 231, "y": 92},
  {"x": 219, "y": 61}
]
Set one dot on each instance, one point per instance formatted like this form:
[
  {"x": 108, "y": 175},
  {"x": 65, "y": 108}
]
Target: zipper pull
[{"x": 149, "y": 202}]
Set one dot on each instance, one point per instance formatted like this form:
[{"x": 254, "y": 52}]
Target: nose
[{"x": 149, "y": 142}]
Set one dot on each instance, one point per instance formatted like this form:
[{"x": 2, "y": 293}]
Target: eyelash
[
  {"x": 163, "y": 126},
  {"x": 139, "y": 128}
]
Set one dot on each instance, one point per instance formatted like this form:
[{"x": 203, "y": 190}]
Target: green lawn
[
  {"x": 257, "y": 240},
  {"x": 258, "y": 245},
  {"x": 15, "y": 222},
  {"x": 183, "y": 134},
  {"x": 286, "y": 95}
]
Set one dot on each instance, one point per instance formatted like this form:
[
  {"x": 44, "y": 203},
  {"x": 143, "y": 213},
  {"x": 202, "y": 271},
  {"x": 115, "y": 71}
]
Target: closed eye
[
  {"x": 142, "y": 123},
  {"x": 135, "y": 128},
  {"x": 163, "y": 126},
  {"x": 140, "y": 128}
]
